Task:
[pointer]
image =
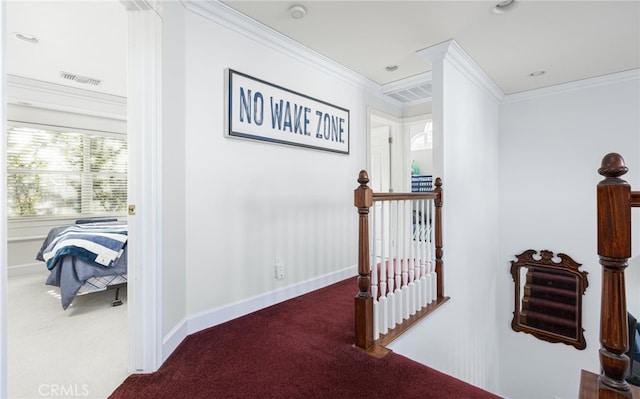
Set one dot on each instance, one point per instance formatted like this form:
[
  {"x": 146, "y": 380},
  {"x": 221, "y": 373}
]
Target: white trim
[
  {"x": 174, "y": 338},
  {"x": 144, "y": 88},
  {"x": 452, "y": 51},
  {"x": 230, "y": 18},
  {"x": 203, "y": 320},
  {"x": 57, "y": 97},
  {"x": 4, "y": 382},
  {"x": 26, "y": 238},
  {"x": 26, "y": 269},
  {"x": 619, "y": 77}
]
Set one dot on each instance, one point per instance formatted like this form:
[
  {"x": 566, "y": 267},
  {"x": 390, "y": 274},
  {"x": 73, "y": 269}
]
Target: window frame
[{"x": 19, "y": 221}]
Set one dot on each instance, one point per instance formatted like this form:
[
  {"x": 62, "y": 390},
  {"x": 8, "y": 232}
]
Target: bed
[{"x": 86, "y": 257}]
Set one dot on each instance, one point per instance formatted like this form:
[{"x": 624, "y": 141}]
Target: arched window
[{"x": 424, "y": 139}]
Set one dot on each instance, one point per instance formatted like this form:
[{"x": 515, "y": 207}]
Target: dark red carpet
[{"x": 301, "y": 348}]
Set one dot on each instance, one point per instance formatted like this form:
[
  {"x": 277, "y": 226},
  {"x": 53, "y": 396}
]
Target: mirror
[{"x": 548, "y": 297}]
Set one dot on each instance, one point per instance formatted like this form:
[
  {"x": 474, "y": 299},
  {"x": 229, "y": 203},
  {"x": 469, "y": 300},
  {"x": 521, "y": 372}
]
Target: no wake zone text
[{"x": 293, "y": 118}]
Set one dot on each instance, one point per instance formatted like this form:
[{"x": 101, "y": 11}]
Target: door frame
[
  {"x": 398, "y": 154},
  {"x": 144, "y": 132},
  {"x": 3, "y": 202}
]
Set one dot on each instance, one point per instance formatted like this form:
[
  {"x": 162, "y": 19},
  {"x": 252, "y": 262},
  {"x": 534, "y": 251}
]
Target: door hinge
[
  {"x": 390, "y": 140},
  {"x": 132, "y": 210}
]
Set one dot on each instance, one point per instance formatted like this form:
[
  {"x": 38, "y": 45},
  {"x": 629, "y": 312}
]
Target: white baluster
[
  {"x": 397, "y": 269},
  {"x": 384, "y": 299},
  {"x": 391, "y": 278},
  {"x": 374, "y": 273},
  {"x": 426, "y": 250},
  {"x": 414, "y": 273},
  {"x": 407, "y": 267},
  {"x": 415, "y": 244},
  {"x": 432, "y": 246}
]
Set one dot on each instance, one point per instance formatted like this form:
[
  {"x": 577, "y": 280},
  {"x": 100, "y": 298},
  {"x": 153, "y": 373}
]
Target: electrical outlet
[{"x": 279, "y": 269}]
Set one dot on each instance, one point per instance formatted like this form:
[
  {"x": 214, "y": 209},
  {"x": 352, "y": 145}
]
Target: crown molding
[
  {"x": 619, "y": 77},
  {"x": 40, "y": 94},
  {"x": 451, "y": 51},
  {"x": 223, "y": 15}
]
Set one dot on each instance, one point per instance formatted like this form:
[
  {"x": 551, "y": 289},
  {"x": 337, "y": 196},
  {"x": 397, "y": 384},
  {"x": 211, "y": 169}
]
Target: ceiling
[
  {"x": 85, "y": 38},
  {"x": 570, "y": 40}
]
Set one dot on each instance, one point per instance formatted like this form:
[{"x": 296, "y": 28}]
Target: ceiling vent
[
  {"x": 412, "y": 94},
  {"x": 79, "y": 78},
  {"x": 413, "y": 90}
]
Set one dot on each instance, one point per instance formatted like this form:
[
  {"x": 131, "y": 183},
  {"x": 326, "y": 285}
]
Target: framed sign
[{"x": 259, "y": 110}]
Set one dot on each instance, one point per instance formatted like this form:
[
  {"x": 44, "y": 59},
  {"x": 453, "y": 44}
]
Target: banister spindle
[
  {"x": 363, "y": 199},
  {"x": 614, "y": 249}
]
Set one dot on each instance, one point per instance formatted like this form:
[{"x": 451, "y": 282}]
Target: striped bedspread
[{"x": 100, "y": 245}]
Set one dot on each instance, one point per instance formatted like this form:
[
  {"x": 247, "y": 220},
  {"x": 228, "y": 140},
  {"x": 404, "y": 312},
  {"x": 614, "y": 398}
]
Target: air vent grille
[
  {"x": 79, "y": 78},
  {"x": 412, "y": 94}
]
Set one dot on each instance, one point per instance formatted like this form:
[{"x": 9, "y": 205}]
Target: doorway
[
  {"x": 66, "y": 132},
  {"x": 398, "y": 149},
  {"x": 145, "y": 343}
]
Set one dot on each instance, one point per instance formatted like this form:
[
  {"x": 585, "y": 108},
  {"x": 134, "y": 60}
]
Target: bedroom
[
  {"x": 287, "y": 193},
  {"x": 67, "y": 162}
]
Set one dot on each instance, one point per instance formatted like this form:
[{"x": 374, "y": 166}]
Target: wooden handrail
[
  {"x": 405, "y": 196},
  {"x": 635, "y": 198},
  {"x": 363, "y": 200},
  {"x": 614, "y": 249}
]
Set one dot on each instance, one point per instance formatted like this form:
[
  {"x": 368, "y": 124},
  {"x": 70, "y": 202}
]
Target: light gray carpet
[{"x": 78, "y": 352}]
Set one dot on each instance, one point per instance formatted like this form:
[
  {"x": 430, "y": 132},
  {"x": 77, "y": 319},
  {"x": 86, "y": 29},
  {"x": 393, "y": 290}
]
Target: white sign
[{"x": 263, "y": 111}]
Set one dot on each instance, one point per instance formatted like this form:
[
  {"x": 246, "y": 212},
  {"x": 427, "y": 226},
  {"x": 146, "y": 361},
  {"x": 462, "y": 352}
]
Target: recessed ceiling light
[
  {"x": 391, "y": 68},
  {"x": 297, "y": 11},
  {"x": 26, "y": 37},
  {"x": 502, "y": 6},
  {"x": 537, "y": 73}
]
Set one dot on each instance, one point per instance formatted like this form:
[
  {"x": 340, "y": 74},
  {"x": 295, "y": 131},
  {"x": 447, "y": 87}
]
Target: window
[
  {"x": 65, "y": 172},
  {"x": 424, "y": 139}
]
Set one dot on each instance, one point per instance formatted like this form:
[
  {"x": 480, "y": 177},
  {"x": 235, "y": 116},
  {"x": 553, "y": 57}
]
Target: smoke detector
[
  {"x": 297, "y": 11},
  {"x": 79, "y": 78}
]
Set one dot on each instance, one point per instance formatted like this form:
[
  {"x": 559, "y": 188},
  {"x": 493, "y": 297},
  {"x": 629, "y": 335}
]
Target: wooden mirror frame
[{"x": 542, "y": 263}]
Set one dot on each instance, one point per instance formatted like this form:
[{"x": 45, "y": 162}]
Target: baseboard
[
  {"x": 173, "y": 339},
  {"x": 203, "y": 320},
  {"x": 26, "y": 269}
]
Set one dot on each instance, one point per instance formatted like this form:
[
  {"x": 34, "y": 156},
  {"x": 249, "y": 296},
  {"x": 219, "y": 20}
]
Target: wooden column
[
  {"x": 363, "y": 200},
  {"x": 438, "y": 236},
  {"x": 614, "y": 249}
]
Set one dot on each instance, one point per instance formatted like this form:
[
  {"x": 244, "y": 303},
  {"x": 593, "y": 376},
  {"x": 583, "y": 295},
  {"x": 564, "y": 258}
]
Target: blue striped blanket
[{"x": 100, "y": 245}]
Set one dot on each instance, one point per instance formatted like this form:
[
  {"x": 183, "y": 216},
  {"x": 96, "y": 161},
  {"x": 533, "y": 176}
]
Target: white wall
[
  {"x": 173, "y": 174},
  {"x": 247, "y": 203},
  {"x": 551, "y": 145},
  {"x": 460, "y": 338}
]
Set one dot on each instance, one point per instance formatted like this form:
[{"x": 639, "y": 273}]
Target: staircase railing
[
  {"x": 400, "y": 268},
  {"x": 615, "y": 200}
]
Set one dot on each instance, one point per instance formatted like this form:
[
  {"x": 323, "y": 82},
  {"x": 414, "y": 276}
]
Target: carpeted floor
[
  {"x": 301, "y": 348},
  {"x": 81, "y": 350}
]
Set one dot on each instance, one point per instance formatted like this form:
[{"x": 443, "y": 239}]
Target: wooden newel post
[
  {"x": 438, "y": 236},
  {"x": 614, "y": 249},
  {"x": 363, "y": 200}
]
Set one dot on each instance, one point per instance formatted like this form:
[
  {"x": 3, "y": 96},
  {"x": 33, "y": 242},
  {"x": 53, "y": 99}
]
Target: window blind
[{"x": 59, "y": 172}]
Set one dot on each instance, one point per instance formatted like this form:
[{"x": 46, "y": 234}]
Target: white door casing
[
  {"x": 144, "y": 126},
  {"x": 3, "y": 203}
]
